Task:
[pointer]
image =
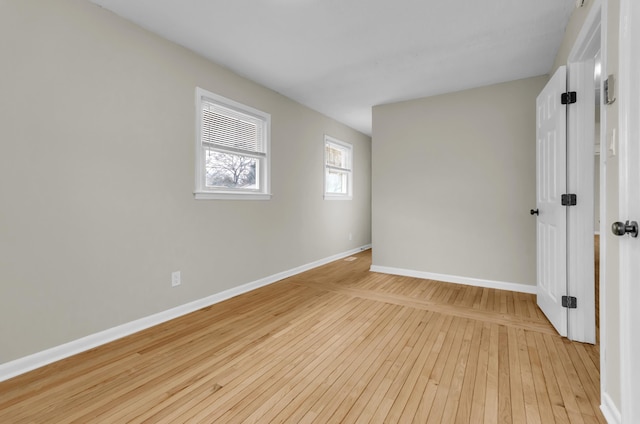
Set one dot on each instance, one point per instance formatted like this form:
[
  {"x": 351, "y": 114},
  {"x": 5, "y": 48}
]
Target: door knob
[
  {"x": 534, "y": 212},
  {"x": 620, "y": 229}
]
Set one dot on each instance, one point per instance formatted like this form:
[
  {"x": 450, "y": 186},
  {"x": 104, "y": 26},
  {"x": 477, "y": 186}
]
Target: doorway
[{"x": 597, "y": 78}]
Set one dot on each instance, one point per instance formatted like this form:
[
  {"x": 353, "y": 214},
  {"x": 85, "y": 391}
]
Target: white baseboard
[
  {"x": 516, "y": 287},
  {"x": 45, "y": 357},
  {"x": 609, "y": 410}
]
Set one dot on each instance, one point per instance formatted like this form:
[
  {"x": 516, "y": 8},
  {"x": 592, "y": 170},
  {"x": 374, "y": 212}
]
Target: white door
[
  {"x": 629, "y": 96},
  {"x": 551, "y": 183}
]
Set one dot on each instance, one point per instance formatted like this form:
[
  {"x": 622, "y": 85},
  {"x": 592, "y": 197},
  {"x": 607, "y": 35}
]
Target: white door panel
[
  {"x": 629, "y": 96},
  {"x": 551, "y": 183}
]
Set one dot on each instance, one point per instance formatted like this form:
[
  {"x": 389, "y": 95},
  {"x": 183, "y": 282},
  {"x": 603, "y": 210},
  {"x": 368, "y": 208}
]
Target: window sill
[
  {"x": 205, "y": 195},
  {"x": 337, "y": 197}
]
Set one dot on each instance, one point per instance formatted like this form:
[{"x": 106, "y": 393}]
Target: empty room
[{"x": 327, "y": 211}]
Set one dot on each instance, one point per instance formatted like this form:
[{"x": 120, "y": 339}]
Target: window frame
[
  {"x": 349, "y": 148},
  {"x": 202, "y": 192}
]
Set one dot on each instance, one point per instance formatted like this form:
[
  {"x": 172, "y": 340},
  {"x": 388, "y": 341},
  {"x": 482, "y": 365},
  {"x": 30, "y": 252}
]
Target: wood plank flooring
[{"x": 337, "y": 344}]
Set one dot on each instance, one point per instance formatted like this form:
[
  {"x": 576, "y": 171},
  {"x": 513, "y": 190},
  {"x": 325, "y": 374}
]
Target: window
[
  {"x": 232, "y": 149},
  {"x": 338, "y": 164}
]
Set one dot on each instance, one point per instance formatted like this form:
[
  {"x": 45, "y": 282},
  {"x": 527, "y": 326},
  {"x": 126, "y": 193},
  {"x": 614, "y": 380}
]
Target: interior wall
[
  {"x": 97, "y": 179},
  {"x": 610, "y": 320},
  {"x": 454, "y": 178}
]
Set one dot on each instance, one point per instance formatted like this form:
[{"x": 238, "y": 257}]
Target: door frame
[
  {"x": 629, "y": 110},
  {"x": 580, "y": 174}
]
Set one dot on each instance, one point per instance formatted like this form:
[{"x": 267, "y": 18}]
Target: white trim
[
  {"x": 349, "y": 147},
  {"x": 337, "y": 197},
  {"x": 604, "y": 396},
  {"x": 206, "y": 195},
  {"x": 609, "y": 410},
  {"x": 45, "y": 357},
  {"x": 580, "y": 175},
  {"x": 500, "y": 285}
]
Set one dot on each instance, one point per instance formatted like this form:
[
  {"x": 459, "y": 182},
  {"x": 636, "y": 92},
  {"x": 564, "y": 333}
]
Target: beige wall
[
  {"x": 610, "y": 322},
  {"x": 97, "y": 175},
  {"x": 453, "y": 182}
]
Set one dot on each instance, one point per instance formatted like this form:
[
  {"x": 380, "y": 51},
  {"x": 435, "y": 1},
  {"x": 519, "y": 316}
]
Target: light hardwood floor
[
  {"x": 596, "y": 258},
  {"x": 337, "y": 344}
]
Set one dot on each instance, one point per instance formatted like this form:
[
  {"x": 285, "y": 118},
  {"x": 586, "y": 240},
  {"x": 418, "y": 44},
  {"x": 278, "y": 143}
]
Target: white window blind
[
  {"x": 337, "y": 157},
  {"x": 231, "y": 130}
]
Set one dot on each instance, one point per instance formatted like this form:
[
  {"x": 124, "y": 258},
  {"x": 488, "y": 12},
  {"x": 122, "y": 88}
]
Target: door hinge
[
  {"x": 569, "y": 200},
  {"x": 569, "y": 97},
  {"x": 569, "y": 302}
]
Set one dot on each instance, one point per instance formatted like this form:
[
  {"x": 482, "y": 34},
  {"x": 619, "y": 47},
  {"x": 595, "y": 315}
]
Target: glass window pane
[
  {"x": 231, "y": 171},
  {"x": 337, "y": 182}
]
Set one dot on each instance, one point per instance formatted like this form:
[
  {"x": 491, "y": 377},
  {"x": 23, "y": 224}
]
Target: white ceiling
[{"x": 341, "y": 57}]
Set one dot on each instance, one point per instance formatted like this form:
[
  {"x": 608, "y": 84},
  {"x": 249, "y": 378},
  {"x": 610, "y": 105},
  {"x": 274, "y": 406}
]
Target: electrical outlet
[
  {"x": 175, "y": 279},
  {"x": 350, "y": 236}
]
